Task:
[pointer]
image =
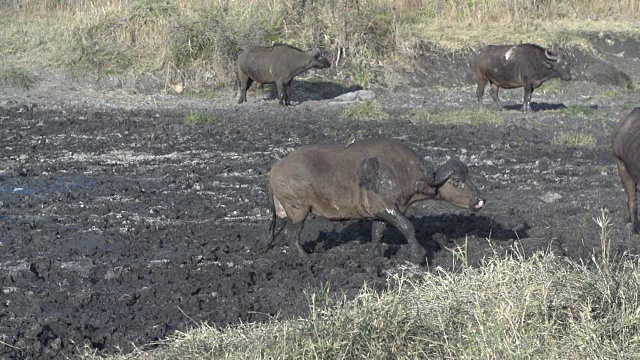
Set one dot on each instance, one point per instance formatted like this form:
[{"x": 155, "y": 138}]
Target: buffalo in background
[
  {"x": 277, "y": 64},
  {"x": 514, "y": 66}
]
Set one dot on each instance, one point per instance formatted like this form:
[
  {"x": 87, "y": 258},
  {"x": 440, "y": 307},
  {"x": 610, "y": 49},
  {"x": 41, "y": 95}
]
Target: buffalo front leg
[
  {"x": 282, "y": 93},
  {"x": 400, "y": 222},
  {"x": 377, "y": 229},
  {"x": 494, "y": 95},
  {"x": 526, "y": 102},
  {"x": 631, "y": 210}
]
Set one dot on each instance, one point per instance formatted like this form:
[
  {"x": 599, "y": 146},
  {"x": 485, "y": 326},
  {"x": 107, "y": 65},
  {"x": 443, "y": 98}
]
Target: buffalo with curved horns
[
  {"x": 373, "y": 179},
  {"x": 514, "y": 66}
]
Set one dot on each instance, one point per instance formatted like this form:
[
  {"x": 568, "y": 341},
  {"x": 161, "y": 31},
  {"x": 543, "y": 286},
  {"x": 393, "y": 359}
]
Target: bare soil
[{"x": 121, "y": 223}]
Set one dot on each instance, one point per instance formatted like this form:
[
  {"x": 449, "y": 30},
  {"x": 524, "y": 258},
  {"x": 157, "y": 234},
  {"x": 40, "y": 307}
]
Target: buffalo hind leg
[
  {"x": 245, "y": 82},
  {"x": 293, "y": 233},
  {"x": 276, "y": 227},
  {"x": 494, "y": 95},
  {"x": 482, "y": 83},
  {"x": 377, "y": 229},
  {"x": 631, "y": 210},
  {"x": 400, "y": 222}
]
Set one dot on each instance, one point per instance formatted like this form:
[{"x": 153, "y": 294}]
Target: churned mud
[{"x": 120, "y": 222}]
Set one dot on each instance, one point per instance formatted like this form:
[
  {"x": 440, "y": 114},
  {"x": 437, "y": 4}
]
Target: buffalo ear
[
  {"x": 316, "y": 53},
  {"x": 423, "y": 187}
]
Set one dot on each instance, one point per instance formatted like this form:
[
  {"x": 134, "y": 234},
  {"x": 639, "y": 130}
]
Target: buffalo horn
[
  {"x": 453, "y": 166},
  {"x": 550, "y": 56},
  {"x": 427, "y": 170}
]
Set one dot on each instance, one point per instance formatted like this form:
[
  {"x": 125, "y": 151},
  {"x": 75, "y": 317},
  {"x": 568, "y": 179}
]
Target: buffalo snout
[
  {"x": 320, "y": 62},
  {"x": 478, "y": 204},
  {"x": 461, "y": 193},
  {"x": 564, "y": 70}
]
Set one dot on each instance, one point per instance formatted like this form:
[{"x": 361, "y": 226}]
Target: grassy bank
[
  {"x": 194, "y": 43},
  {"x": 542, "y": 307}
]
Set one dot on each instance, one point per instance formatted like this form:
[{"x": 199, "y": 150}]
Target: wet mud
[{"x": 121, "y": 223}]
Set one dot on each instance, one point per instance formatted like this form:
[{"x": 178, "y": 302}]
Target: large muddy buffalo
[
  {"x": 277, "y": 64},
  {"x": 625, "y": 139},
  {"x": 514, "y": 66},
  {"x": 370, "y": 179}
]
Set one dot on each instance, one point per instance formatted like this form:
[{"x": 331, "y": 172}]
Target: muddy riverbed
[{"x": 120, "y": 222}]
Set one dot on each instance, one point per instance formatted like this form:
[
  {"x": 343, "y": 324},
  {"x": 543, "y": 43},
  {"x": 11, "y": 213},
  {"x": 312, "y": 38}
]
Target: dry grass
[
  {"x": 195, "y": 42},
  {"x": 544, "y": 307}
]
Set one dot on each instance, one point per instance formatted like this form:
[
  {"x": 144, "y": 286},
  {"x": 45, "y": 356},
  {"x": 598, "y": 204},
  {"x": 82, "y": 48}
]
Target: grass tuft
[
  {"x": 16, "y": 77},
  {"x": 197, "y": 117},
  {"x": 578, "y": 111},
  {"x": 578, "y": 139},
  {"x": 151, "y": 8},
  {"x": 551, "y": 87},
  {"x": 468, "y": 116},
  {"x": 367, "y": 110}
]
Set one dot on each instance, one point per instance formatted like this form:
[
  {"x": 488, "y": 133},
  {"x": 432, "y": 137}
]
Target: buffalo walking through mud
[
  {"x": 626, "y": 148},
  {"x": 277, "y": 64},
  {"x": 515, "y": 66},
  {"x": 374, "y": 179}
]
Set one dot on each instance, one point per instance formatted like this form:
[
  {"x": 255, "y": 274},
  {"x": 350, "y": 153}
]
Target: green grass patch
[
  {"x": 366, "y": 110},
  {"x": 578, "y": 139},
  {"x": 16, "y": 77},
  {"x": 610, "y": 94},
  {"x": 578, "y": 111},
  {"x": 550, "y": 87},
  {"x": 629, "y": 106},
  {"x": 197, "y": 117},
  {"x": 467, "y": 116}
]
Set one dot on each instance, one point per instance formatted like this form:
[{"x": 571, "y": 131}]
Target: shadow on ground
[
  {"x": 301, "y": 91},
  {"x": 434, "y": 232},
  {"x": 535, "y": 107}
]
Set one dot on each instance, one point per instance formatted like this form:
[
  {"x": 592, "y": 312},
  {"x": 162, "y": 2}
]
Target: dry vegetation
[
  {"x": 193, "y": 43},
  {"x": 542, "y": 307}
]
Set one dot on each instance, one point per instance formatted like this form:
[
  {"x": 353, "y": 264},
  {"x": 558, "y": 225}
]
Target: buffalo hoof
[
  {"x": 632, "y": 229},
  {"x": 419, "y": 257},
  {"x": 265, "y": 243},
  {"x": 376, "y": 251}
]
